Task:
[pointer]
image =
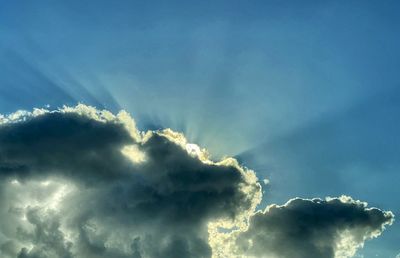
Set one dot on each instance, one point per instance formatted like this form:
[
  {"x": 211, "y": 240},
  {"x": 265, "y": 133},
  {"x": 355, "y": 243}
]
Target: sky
[{"x": 305, "y": 93}]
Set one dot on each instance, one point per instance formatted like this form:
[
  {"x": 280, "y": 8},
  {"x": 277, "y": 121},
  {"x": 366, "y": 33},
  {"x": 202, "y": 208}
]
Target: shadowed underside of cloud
[
  {"x": 79, "y": 182},
  {"x": 303, "y": 228}
]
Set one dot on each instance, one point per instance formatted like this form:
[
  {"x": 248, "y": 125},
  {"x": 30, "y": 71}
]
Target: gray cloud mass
[
  {"x": 303, "y": 228},
  {"x": 79, "y": 182}
]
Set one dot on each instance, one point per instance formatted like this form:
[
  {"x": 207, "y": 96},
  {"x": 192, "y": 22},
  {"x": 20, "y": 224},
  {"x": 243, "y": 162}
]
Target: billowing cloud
[
  {"x": 79, "y": 182},
  {"x": 304, "y": 228}
]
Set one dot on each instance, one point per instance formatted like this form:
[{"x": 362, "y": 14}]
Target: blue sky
[{"x": 304, "y": 92}]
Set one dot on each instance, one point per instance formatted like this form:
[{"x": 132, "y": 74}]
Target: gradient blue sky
[{"x": 305, "y": 92}]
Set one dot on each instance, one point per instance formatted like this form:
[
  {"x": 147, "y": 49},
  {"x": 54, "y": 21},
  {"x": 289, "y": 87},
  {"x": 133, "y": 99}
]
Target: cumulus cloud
[
  {"x": 79, "y": 182},
  {"x": 304, "y": 228}
]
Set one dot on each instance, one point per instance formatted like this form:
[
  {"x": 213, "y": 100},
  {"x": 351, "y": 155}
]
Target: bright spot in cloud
[
  {"x": 133, "y": 153},
  {"x": 15, "y": 182},
  {"x": 55, "y": 200}
]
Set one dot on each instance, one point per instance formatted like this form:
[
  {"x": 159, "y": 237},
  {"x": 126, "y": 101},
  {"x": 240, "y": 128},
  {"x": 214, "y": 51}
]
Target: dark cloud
[
  {"x": 63, "y": 144},
  {"x": 84, "y": 195},
  {"x": 78, "y": 182},
  {"x": 303, "y": 228}
]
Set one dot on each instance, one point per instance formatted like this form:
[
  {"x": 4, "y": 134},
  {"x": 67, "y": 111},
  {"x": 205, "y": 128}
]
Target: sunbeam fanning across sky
[{"x": 199, "y": 129}]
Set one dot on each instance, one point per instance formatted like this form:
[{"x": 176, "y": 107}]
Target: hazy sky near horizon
[{"x": 306, "y": 93}]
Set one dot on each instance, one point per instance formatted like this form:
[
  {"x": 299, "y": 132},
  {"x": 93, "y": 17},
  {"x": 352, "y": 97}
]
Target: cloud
[
  {"x": 79, "y": 182},
  {"x": 303, "y": 228}
]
